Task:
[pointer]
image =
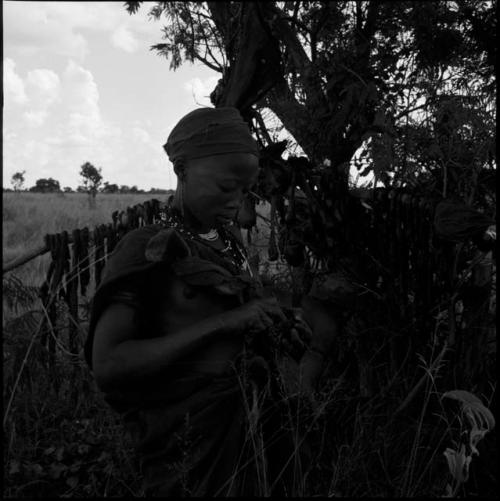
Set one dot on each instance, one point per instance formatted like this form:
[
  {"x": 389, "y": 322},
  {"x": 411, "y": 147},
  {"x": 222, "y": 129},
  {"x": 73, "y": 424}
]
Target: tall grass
[
  {"x": 61, "y": 438},
  {"x": 27, "y": 217}
]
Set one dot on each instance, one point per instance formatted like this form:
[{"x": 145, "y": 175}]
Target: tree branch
[
  {"x": 263, "y": 127},
  {"x": 219, "y": 69},
  {"x": 486, "y": 40}
]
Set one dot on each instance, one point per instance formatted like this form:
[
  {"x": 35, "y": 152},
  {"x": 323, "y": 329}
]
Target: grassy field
[
  {"x": 62, "y": 440},
  {"x": 27, "y": 217}
]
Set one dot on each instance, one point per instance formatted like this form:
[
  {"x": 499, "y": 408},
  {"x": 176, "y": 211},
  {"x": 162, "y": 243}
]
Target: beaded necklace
[{"x": 169, "y": 216}]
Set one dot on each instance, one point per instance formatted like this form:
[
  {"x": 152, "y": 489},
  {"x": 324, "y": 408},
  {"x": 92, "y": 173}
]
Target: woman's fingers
[
  {"x": 271, "y": 307},
  {"x": 296, "y": 340},
  {"x": 265, "y": 319},
  {"x": 303, "y": 329}
]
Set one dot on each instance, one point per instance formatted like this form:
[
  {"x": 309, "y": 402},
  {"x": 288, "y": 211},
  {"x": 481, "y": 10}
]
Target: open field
[{"x": 27, "y": 217}]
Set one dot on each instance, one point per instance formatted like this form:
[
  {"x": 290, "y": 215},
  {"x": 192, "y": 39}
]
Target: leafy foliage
[
  {"x": 351, "y": 70},
  {"x": 17, "y": 294},
  {"x": 92, "y": 178},
  {"x": 17, "y": 180},
  {"x": 46, "y": 186},
  {"x": 110, "y": 188}
]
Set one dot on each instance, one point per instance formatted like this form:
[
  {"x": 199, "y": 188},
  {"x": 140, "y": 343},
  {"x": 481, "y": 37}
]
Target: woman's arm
[
  {"x": 324, "y": 329},
  {"x": 120, "y": 358}
]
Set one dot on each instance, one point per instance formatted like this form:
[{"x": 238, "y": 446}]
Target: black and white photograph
[{"x": 249, "y": 249}]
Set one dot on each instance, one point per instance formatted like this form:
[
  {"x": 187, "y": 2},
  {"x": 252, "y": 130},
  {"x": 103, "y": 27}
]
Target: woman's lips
[{"x": 224, "y": 219}]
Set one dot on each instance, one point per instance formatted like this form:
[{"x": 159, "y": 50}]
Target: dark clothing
[
  {"x": 140, "y": 256},
  {"x": 210, "y": 131},
  {"x": 196, "y": 434}
]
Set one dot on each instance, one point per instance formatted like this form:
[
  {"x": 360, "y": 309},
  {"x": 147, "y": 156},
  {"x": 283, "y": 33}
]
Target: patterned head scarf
[{"x": 210, "y": 131}]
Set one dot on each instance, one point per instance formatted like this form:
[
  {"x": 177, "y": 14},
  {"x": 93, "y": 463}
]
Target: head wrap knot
[{"x": 210, "y": 131}]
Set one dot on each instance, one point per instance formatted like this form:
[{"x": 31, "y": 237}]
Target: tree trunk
[{"x": 257, "y": 64}]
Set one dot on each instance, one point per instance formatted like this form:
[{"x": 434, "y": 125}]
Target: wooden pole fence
[
  {"x": 32, "y": 254},
  {"x": 144, "y": 212},
  {"x": 18, "y": 261}
]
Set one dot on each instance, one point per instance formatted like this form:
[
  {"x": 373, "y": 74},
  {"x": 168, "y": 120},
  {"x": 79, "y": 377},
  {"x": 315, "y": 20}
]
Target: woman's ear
[{"x": 180, "y": 168}]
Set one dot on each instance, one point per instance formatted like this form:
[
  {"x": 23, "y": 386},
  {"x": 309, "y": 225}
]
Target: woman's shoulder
[
  {"x": 133, "y": 244},
  {"x": 128, "y": 256},
  {"x": 139, "y": 236}
]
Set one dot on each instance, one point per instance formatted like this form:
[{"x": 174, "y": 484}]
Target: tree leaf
[
  {"x": 56, "y": 469},
  {"x": 72, "y": 482},
  {"x": 60, "y": 453},
  {"x": 14, "y": 467},
  {"x": 476, "y": 412}
]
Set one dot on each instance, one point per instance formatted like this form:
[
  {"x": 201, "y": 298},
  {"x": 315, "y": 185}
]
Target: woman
[{"x": 177, "y": 323}]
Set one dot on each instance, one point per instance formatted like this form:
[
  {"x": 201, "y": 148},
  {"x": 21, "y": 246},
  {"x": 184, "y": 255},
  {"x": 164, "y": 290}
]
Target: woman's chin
[{"x": 223, "y": 221}]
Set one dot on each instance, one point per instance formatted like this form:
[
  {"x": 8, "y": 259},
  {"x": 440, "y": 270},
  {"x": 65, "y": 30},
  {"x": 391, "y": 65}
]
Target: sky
[{"x": 80, "y": 84}]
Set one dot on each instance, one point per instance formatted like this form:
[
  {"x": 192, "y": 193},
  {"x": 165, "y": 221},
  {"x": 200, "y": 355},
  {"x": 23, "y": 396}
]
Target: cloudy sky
[{"x": 80, "y": 84}]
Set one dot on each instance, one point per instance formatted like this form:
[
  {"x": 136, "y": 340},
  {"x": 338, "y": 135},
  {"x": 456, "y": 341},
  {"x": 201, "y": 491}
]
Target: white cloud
[
  {"x": 123, "y": 38},
  {"x": 74, "y": 129},
  {"x": 43, "y": 90},
  {"x": 82, "y": 119},
  {"x": 35, "y": 118},
  {"x": 141, "y": 135},
  {"x": 201, "y": 89},
  {"x": 38, "y": 28},
  {"x": 43, "y": 86},
  {"x": 12, "y": 83},
  {"x": 66, "y": 88},
  {"x": 35, "y": 27}
]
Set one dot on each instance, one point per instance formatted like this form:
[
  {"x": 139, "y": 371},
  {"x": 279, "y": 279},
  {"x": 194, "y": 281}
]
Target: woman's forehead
[{"x": 233, "y": 165}]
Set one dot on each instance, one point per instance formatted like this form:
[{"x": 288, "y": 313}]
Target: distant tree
[
  {"x": 110, "y": 188},
  {"x": 81, "y": 189},
  {"x": 159, "y": 191},
  {"x": 134, "y": 189},
  {"x": 67, "y": 189},
  {"x": 17, "y": 180},
  {"x": 124, "y": 188},
  {"x": 92, "y": 179},
  {"x": 46, "y": 186}
]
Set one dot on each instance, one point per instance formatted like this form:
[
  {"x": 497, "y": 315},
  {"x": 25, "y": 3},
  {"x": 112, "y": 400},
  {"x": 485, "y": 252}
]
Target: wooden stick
[
  {"x": 38, "y": 251},
  {"x": 18, "y": 261},
  {"x": 43, "y": 249}
]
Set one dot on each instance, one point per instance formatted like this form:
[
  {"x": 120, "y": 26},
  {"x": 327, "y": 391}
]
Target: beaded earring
[
  {"x": 181, "y": 197},
  {"x": 181, "y": 173}
]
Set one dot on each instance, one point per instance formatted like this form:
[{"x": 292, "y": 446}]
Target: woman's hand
[
  {"x": 300, "y": 334},
  {"x": 255, "y": 316}
]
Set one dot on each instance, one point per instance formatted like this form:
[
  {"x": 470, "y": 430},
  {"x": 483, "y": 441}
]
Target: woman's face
[{"x": 214, "y": 187}]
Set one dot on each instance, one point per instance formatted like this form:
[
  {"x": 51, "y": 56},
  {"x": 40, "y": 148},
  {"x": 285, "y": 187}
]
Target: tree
[
  {"x": 124, "y": 188},
  {"x": 46, "y": 186},
  {"x": 92, "y": 179},
  {"x": 403, "y": 91},
  {"x": 110, "y": 188},
  {"x": 342, "y": 75},
  {"x": 160, "y": 191},
  {"x": 17, "y": 180},
  {"x": 67, "y": 189}
]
